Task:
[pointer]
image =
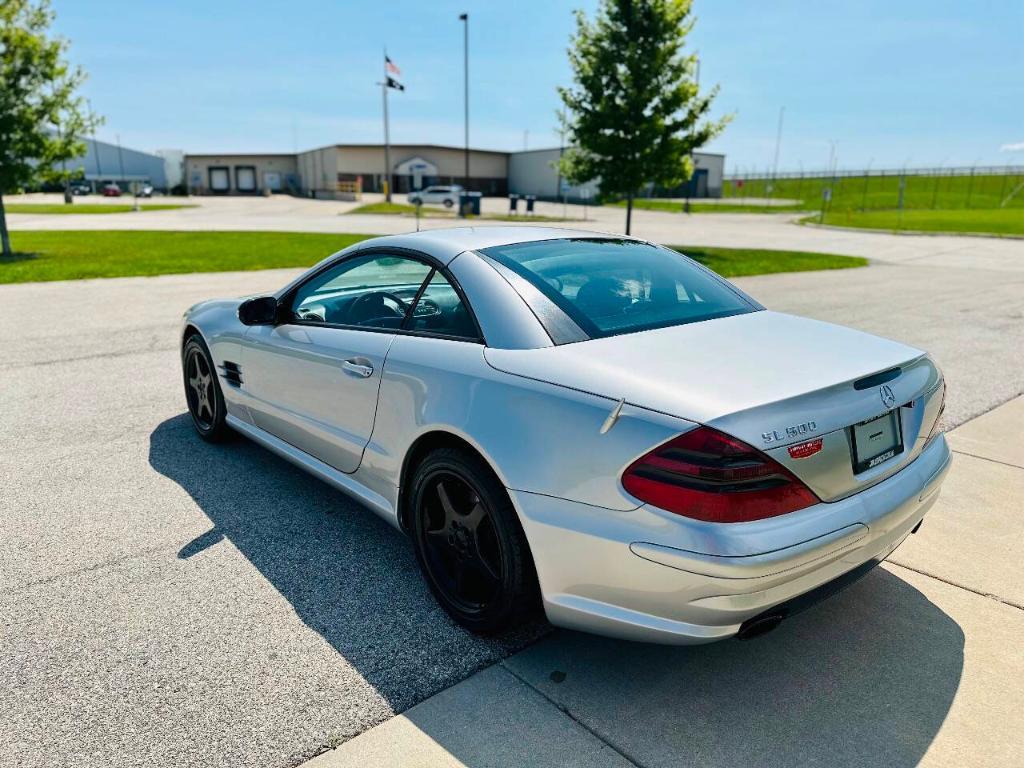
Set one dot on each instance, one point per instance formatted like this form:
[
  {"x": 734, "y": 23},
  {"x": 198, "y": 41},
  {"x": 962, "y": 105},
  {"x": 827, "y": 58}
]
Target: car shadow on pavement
[
  {"x": 348, "y": 575},
  {"x": 866, "y": 678}
]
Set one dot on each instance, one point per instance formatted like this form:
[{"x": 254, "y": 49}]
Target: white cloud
[{"x": 1017, "y": 146}]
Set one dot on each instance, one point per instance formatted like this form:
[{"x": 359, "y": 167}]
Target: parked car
[
  {"x": 111, "y": 190},
  {"x": 446, "y": 196},
  {"x": 146, "y": 190},
  {"x": 79, "y": 188},
  {"x": 587, "y": 422}
]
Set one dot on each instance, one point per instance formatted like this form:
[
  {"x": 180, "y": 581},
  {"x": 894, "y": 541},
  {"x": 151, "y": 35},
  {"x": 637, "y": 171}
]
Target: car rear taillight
[
  {"x": 938, "y": 417},
  {"x": 708, "y": 475}
]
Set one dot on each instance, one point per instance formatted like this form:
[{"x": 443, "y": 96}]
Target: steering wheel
[{"x": 372, "y": 306}]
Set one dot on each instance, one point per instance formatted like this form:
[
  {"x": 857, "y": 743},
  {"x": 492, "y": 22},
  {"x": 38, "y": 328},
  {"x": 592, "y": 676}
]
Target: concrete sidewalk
[{"x": 918, "y": 664}]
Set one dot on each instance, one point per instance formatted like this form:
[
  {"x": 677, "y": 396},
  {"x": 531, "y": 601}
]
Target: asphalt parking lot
[{"x": 166, "y": 602}]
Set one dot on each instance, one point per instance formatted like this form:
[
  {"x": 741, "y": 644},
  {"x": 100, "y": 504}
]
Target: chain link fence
[{"x": 988, "y": 187}]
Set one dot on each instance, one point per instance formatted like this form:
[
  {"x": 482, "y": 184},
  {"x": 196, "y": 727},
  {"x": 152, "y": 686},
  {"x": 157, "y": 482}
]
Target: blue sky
[{"x": 890, "y": 82}]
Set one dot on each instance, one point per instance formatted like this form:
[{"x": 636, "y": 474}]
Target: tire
[
  {"x": 472, "y": 551},
  {"x": 448, "y": 203},
  {"x": 202, "y": 392}
]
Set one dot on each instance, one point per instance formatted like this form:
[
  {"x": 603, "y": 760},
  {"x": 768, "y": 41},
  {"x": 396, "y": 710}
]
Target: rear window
[{"x": 610, "y": 287}]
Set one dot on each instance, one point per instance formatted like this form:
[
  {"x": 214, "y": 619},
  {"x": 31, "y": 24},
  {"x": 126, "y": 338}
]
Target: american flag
[{"x": 389, "y": 65}]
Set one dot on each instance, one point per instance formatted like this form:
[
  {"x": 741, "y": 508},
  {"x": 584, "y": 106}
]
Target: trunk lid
[{"x": 770, "y": 379}]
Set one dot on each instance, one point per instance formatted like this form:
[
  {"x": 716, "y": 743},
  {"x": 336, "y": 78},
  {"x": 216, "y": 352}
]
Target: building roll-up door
[
  {"x": 245, "y": 178},
  {"x": 220, "y": 181}
]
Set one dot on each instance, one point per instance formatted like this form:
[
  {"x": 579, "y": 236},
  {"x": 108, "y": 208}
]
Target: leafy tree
[
  {"x": 634, "y": 112},
  {"x": 42, "y": 117}
]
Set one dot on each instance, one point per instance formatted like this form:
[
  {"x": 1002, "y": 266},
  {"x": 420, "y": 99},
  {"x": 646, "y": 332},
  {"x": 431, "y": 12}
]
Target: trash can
[
  {"x": 513, "y": 203},
  {"x": 469, "y": 203},
  {"x": 530, "y": 200}
]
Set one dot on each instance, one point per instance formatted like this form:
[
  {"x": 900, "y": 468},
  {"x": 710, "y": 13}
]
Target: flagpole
[
  {"x": 464, "y": 17},
  {"x": 387, "y": 133}
]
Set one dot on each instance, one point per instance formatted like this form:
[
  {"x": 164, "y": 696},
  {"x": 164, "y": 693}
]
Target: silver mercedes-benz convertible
[{"x": 589, "y": 423}]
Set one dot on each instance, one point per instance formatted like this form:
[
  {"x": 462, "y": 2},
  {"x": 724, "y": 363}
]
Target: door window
[
  {"x": 374, "y": 291},
  {"x": 440, "y": 310}
]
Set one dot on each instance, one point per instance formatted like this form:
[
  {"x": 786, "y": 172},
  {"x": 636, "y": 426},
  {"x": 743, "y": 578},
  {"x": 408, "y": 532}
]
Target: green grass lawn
[
  {"x": 740, "y": 262},
  {"x": 943, "y": 192},
  {"x": 998, "y": 221},
  {"x": 74, "y": 255},
  {"x": 386, "y": 209},
  {"x": 59, "y": 208},
  {"x": 978, "y": 204}
]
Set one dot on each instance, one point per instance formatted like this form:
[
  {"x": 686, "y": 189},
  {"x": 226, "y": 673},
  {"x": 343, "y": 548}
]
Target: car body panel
[
  {"x": 707, "y": 370},
  {"x": 593, "y": 581},
  {"x": 521, "y": 428},
  {"x": 506, "y": 321},
  {"x": 560, "y": 422},
  {"x": 303, "y": 392}
]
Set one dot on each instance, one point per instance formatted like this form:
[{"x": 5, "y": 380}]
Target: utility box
[
  {"x": 513, "y": 204},
  {"x": 530, "y": 200}
]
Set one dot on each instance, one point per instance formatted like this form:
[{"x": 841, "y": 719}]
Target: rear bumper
[{"x": 652, "y": 576}]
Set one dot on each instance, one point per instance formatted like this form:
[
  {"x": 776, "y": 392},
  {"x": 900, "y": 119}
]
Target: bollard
[{"x": 513, "y": 204}]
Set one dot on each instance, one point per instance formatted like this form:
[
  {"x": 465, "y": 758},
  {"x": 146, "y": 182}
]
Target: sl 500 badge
[{"x": 789, "y": 432}]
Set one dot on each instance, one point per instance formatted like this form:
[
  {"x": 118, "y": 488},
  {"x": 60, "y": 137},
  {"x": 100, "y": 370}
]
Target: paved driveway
[{"x": 165, "y": 602}]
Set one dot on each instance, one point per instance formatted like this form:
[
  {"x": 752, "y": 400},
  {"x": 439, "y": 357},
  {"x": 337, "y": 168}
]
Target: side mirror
[{"x": 258, "y": 311}]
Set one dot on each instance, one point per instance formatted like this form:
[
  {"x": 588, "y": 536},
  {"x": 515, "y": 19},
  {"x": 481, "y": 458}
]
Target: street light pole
[
  {"x": 689, "y": 182},
  {"x": 778, "y": 147},
  {"x": 464, "y": 18}
]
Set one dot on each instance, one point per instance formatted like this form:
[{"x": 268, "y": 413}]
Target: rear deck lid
[{"x": 771, "y": 379}]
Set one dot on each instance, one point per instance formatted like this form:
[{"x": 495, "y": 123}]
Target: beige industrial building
[
  {"x": 414, "y": 166},
  {"x": 241, "y": 174},
  {"x": 535, "y": 172},
  {"x": 327, "y": 171}
]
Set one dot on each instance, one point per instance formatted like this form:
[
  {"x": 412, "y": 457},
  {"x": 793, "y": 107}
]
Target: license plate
[{"x": 876, "y": 441}]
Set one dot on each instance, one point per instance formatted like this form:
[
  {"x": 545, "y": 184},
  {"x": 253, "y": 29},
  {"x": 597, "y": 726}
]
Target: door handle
[{"x": 360, "y": 369}]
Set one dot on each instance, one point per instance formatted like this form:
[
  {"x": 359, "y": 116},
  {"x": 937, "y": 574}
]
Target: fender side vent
[
  {"x": 232, "y": 373},
  {"x": 877, "y": 379}
]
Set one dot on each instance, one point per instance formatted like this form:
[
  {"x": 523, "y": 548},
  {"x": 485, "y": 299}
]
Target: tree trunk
[
  {"x": 5, "y": 238},
  {"x": 629, "y": 212}
]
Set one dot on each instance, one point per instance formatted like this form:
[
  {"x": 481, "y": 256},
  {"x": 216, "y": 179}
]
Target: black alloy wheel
[
  {"x": 469, "y": 543},
  {"x": 202, "y": 392}
]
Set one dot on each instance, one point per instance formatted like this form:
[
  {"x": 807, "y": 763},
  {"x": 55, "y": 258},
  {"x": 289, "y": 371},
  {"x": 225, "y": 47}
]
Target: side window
[
  {"x": 441, "y": 311},
  {"x": 370, "y": 291}
]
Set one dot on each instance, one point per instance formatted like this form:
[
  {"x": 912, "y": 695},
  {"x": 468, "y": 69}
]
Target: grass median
[
  {"x": 999, "y": 221},
  {"x": 61, "y": 209},
  {"x": 73, "y": 255},
  {"x": 743, "y": 262}
]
